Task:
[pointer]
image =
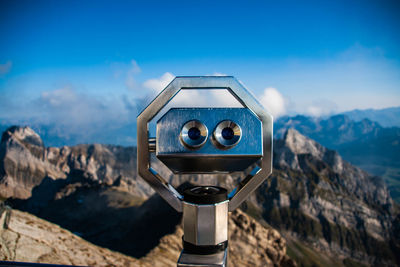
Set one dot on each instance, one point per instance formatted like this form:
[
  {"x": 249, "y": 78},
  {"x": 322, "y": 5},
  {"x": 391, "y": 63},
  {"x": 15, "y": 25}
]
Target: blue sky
[{"x": 110, "y": 57}]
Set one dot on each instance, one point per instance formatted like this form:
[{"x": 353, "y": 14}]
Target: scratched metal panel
[{"x": 170, "y": 125}]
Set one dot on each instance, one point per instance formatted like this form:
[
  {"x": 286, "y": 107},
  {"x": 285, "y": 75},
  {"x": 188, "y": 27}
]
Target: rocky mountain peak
[
  {"x": 25, "y": 163},
  {"x": 26, "y": 237},
  {"x": 313, "y": 196},
  {"x": 24, "y": 135},
  {"x": 314, "y": 185},
  {"x": 299, "y": 144},
  {"x": 288, "y": 149}
]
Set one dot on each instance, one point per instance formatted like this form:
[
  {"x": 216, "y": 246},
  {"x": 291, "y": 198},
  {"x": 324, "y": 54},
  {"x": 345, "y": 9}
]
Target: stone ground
[{"x": 26, "y": 238}]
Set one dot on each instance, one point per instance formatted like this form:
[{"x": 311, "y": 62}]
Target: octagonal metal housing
[
  {"x": 160, "y": 185},
  {"x": 210, "y": 157},
  {"x": 205, "y": 224}
]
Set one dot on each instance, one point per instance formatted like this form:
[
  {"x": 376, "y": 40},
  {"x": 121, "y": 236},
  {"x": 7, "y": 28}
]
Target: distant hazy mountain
[
  {"x": 55, "y": 136},
  {"x": 94, "y": 191},
  {"x": 387, "y": 117},
  {"x": 363, "y": 143},
  {"x": 321, "y": 199},
  {"x": 330, "y": 212}
]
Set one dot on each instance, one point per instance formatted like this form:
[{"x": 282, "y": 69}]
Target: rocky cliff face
[
  {"x": 25, "y": 163},
  {"x": 93, "y": 191},
  {"x": 364, "y": 143},
  {"x": 332, "y": 131},
  {"x": 320, "y": 202},
  {"x": 299, "y": 153},
  {"x": 250, "y": 244},
  {"x": 26, "y": 238},
  {"x": 316, "y": 196}
]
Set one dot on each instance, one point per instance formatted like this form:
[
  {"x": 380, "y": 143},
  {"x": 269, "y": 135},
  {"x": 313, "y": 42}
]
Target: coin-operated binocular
[{"x": 206, "y": 140}]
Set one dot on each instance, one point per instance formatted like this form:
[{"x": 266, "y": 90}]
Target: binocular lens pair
[
  {"x": 225, "y": 136},
  {"x": 208, "y": 140}
]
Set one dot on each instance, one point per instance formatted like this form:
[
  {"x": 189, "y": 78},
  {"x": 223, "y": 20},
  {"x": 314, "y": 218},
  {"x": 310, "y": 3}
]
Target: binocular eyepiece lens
[
  {"x": 227, "y": 134},
  {"x": 205, "y": 190},
  {"x": 193, "y": 134}
]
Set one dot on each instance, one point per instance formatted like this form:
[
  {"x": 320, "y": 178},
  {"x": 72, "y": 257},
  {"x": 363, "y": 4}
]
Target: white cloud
[
  {"x": 5, "y": 68},
  {"x": 218, "y": 74},
  {"x": 205, "y": 98},
  {"x": 321, "y": 107},
  {"x": 134, "y": 67},
  {"x": 58, "y": 97},
  {"x": 130, "y": 75},
  {"x": 314, "y": 111},
  {"x": 224, "y": 98},
  {"x": 130, "y": 82},
  {"x": 188, "y": 97},
  {"x": 274, "y": 102},
  {"x": 74, "y": 117},
  {"x": 193, "y": 98},
  {"x": 126, "y": 72},
  {"x": 158, "y": 84},
  {"x": 74, "y": 112}
]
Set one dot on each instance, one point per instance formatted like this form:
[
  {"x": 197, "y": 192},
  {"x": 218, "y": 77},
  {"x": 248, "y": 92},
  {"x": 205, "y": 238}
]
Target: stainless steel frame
[
  {"x": 205, "y": 224},
  {"x": 187, "y": 141},
  {"x": 145, "y": 144},
  {"x": 225, "y": 155},
  {"x": 218, "y": 134},
  {"x": 219, "y": 259}
]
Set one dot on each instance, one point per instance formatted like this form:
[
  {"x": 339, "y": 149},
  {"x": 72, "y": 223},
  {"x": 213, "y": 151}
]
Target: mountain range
[
  {"x": 27, "y": 238},
  {"x": 93, "y": 191},
  {"x": 364, "y": 143},
  {"x": 387, "y": 117},
  {"x": 330, "y": 212},
  {"x": 56, "y": 134}
]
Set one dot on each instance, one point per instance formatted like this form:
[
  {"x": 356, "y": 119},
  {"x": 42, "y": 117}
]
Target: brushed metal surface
[
  {"x": 205, "y": 224},
  {"x": 238, "y": 195},
  {"x": 224, "y": 143},
  {"x": 209, "y": 158},
  {"x": 212, "y": 260},
  {"x": 196, "y": 142},
  {"x": 203, "y": 83},
  {"x": 152, "y": 145}
]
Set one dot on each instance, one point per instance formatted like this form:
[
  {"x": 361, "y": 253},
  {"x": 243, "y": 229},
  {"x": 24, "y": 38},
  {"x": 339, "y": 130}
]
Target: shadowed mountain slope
[
  {"x": 364, "y": 143},
  {"x": 315, "y": 196},
  {"x": 387, "y": 117},
  {"x": 331, "y": 212},
  {"x": 93, "y": 191},
  {"x": 26, "y": 238}
]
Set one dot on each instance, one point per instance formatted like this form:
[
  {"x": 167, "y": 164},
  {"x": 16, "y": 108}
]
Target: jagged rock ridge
[
  {"x": 25, "y": 163},
  {"x": 86, "y": 189},
  {"x": 250, "y": 244},
  {"x": 314, "y": 197},
  {"x": 26, "y": 238},
  {"x": 364, "y": 143}
]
